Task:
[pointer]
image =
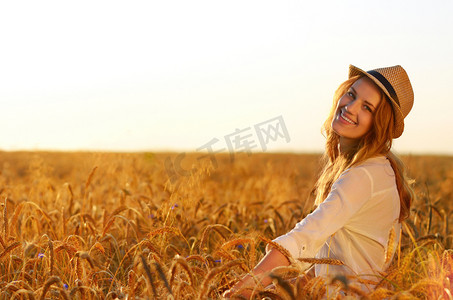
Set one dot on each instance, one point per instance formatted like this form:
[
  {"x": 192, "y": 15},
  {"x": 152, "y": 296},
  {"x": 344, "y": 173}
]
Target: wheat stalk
[
  {"x": 97, "y": 246},
  {"x": 216, "y": 228},
  {"x": 390, "y": 244},
  {"x": 149, "y": 276},
  {"x": 241, "y": 241},
  {"x": 278, "y": 247},
  {"x": 81, "y": 289},
  {"x": 24, "y": 292},
  {"x": 51, "y": 253},
  {"x": 183, "y": 286},
  {"x": 381, "y": 293},
  {"x": 5, "y": 219},
  {"x": 322, "y": 261},
  {"x": 196, "y": 257},
  {"x": 310, "y": 286},
  {"x": 286, "y": 271},
  {"x": 179, "y": 261},
  {"x": 71, "y": 198},
  {"x": 224, "y": 254},
  {"x": 8, "y": 249},
  {"x": 2, "y": 242},
  {"x": 87, "y": 257},
  {"x": 71, "y": 250},
  {"x": 161, "y": 273},
  {"x": 12, "y": 286},
  {"x": 423, "y": 267},
  {"x": 78, "y": 268},
  {"x": 427, "y": 283},
  {"x": 49, "y": 282},
  {"x": 131, "y": 276},
  {"x": 356, "y": 290},
  {"x": 90, "y": 177},
  {"x": 163, "y": 230},
  {"x": 16, "y": 215},
  {"x": 287, "y": 288},
  {"x": 318, "y": 289},
  {"x": 213, "y": 273},
  {"x": 404, "y": 266}
]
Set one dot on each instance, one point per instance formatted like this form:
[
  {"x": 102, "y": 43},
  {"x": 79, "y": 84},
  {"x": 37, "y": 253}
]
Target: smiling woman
[
  {"x": 362, "y": 195},
  {"x": 355, "y": 111}
]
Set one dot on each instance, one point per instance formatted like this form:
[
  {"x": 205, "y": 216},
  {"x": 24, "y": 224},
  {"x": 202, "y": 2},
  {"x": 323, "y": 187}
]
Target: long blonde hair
[{"x": 377, "y": 142}]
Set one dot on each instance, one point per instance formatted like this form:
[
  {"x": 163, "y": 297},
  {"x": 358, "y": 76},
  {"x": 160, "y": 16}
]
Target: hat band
[{"x": 386, "y": 84}]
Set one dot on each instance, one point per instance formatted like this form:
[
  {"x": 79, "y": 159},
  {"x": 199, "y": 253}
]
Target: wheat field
[{"x": 172, "y": 226}]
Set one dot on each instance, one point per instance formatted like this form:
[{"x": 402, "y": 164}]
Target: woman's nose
[{"x": 352, "y": 107}]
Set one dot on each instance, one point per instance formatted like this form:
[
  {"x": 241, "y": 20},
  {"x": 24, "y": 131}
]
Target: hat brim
[{"x": 399, "y": 117}]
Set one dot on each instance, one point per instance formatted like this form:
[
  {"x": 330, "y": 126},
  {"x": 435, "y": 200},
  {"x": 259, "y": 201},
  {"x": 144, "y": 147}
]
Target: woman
[{"x": 362, "y": 194}]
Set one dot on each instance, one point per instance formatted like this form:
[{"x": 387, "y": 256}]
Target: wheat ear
[
  {"x": 216, "y": 228},
  {"x": 278, "y": 247},
  {"x": 9, "y": 249},
  {"x": 159, "y": 270},
  {"x": 24, "y": 292},
  {"x": 149, "y": 276},
  {"x": 213, "y": 273},
  {"x": 5, "y": 219},
  {"x": 16, "y": 216},
  {"x": 280, "y": 282},
  {"x": 390, "y": 244},
  {"x": 178, "y": 260},
  {"x": 322, "y": 261},
  {"x": 381, "y": 293},
  {"x": 49, "y": 282}
]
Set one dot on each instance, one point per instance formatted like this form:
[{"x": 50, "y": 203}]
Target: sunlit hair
[{"x": 377, "y": 142}]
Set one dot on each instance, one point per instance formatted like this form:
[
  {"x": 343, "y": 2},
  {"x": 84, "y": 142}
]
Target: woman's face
[{"x": 355, "y": 111}]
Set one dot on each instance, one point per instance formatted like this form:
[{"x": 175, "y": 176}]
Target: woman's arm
[{"x": 271, "y": 260}]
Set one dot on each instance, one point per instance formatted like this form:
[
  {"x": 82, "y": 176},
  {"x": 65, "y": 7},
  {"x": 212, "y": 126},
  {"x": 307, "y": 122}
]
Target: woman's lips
[{"x": 348, "y": 120}]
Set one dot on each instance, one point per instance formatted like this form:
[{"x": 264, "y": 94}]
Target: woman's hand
[{"x": 245, "y": 286}]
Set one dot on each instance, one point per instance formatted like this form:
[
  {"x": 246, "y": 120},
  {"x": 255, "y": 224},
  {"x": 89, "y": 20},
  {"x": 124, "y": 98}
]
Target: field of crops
[{"x": 169, "y": 225}]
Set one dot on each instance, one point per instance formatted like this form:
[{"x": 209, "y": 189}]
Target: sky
[{"x": 181, "y": 75}]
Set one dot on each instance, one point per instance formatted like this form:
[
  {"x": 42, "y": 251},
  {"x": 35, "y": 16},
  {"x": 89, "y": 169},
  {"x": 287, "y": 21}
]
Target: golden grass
[{"x": 108, "y": 226}]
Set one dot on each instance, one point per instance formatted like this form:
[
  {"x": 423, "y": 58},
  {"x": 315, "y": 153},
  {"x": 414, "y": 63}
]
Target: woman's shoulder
[
  {"x": 375, "y": 161},
  {"x": 373, "y": 174},
  {"x": 371, "y": 161},
  {"x": 375, "y": 166}
]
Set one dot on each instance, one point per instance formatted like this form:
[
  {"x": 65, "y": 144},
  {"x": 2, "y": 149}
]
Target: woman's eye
[
  {"x": 368, "y": 108},
  {"x": 350, "y": 94}
]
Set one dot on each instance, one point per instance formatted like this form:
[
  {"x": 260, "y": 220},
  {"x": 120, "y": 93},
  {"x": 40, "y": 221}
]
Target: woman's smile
[
  {"x": 344, "y": 118},
  {"x": 355, "y": 110}
]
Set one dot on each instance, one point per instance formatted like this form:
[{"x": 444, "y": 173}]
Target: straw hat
[{"x": 396, "y": 85}]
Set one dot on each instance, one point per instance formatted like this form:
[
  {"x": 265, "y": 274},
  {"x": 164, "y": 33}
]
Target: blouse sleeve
[{"x": 348, "y": 194}]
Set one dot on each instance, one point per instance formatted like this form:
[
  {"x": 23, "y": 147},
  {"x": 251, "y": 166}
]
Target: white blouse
[{"x": 353, "y": 224}]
